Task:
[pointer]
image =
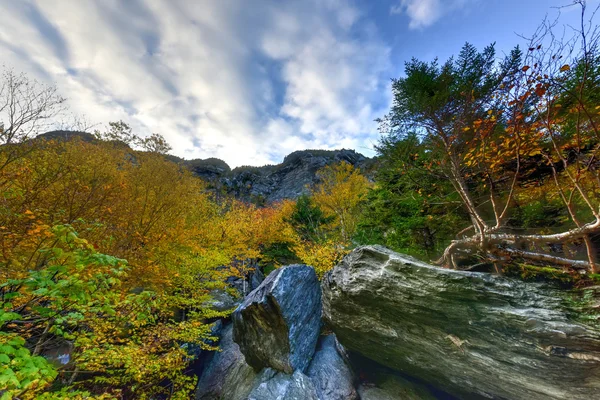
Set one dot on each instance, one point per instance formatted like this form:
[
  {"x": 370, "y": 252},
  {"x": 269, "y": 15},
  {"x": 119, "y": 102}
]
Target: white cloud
[
  {"x": 424, "y": 13},
  {"x": 247, "y": 82}
]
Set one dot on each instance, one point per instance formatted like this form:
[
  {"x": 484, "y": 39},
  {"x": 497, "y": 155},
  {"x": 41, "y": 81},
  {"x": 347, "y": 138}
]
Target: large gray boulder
[
  {"x": 273, "y": 385},
  {"x": 330, "y": 372},
  {"x": 470, "y": 334},
  {"x": 227, "y": 376},
  {"x": 278, "y": 324}
]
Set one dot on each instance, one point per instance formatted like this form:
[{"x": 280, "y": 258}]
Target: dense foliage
[
  {"x": 108, "y": 257},
  {"x": 514, "y": 143}
]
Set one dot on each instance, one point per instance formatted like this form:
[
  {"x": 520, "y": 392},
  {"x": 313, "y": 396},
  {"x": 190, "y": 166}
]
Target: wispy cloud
[
  {"x": 424, "y": 13},
  {"x": 244, "y": 81}
]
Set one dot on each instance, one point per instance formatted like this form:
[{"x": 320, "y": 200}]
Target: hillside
[{"x": 259, "y": 185}]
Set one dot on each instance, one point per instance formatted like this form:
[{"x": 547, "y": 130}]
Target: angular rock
[
  {"x": 279, "y": 386},
  {"x": 227, "y": 376},
  {"x": 330, "y": 372},
  {"x": 278, "y": 324},
  {"x": 471, "y": 334}
]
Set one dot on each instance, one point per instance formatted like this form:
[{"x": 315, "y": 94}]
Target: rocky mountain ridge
[
  {"x": 260, "y": 185},
  {"x": 271, "y": 183}
]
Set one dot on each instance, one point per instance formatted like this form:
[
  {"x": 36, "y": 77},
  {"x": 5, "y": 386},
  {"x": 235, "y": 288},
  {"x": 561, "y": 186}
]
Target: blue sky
[{"x": 249, "y": 81}]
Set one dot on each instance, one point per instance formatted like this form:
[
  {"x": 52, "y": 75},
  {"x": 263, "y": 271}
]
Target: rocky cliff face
[{"x": 270, "y": 183}]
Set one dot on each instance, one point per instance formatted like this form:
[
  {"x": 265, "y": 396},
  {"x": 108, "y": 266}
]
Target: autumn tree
[
  {"x": 72, "y": 212},
  {"x": 498, "y": 129},
  {"x": 326, "y": 221},
  {"x": 339, "y": 193}
]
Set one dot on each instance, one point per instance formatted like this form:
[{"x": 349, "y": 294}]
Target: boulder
[
  {"x": 278, "y": 323},
  {"x": 272, "y": 385},
  {"x": 226, "y": 375},
  {"x": 221, "y": 301},
  {"x": 330, "y": 372},
  {"x": 471, "y": 334}
]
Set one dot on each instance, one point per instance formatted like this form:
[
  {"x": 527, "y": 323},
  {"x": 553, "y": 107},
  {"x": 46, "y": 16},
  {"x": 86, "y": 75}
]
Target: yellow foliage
[
  {"x": 340, "y": 194},
  {"x": 321, "y": 256}
]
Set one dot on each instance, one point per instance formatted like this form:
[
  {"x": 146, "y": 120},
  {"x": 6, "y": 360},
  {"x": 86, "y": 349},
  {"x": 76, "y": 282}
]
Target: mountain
[
  {"x": 270, "y": 183},
  {"x": 259, "y": 185}
]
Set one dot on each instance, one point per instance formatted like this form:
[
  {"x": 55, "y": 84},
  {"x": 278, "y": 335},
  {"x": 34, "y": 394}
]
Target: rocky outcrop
[
  {"x": 226, "y": 375},
  {"x": 277, "y": 325},
  {"x": 270, "y": 183},
  {"x": 210, "y": 169},
  {"x": 471, "y": 334},
  {"x": 277, "y": 328},
  {"x": 279, "y": 386},
  {"x": 330, "y": 373}
]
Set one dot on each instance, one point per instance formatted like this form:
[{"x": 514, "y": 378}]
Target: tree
[
  {"x": 326, "y": 221},
  {"x": 495, "y": 128},
  {"x": 120, "y": 132},
  {"x": 126, "y": 329},
  {"x": 26, "y": 107},
  {"x": 340, "y": 193},
  {"x": 308, "y": 220},
  {"x": 413, "y": 208},
  {"x": 155, "y": 143}
]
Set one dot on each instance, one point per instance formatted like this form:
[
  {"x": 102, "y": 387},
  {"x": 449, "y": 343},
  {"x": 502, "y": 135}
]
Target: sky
[{"x": 249, "y": 81}]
